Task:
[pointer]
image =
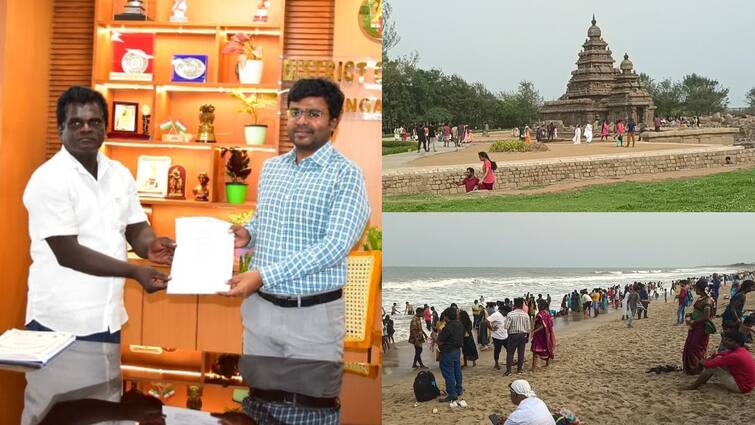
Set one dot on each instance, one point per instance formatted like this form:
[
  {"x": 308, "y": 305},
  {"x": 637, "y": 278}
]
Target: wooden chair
[{"x": 361, "y": 294}]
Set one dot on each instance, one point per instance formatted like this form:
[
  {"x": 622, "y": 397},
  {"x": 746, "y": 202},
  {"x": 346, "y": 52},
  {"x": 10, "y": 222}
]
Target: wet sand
[{"x": 599, "y": 372}]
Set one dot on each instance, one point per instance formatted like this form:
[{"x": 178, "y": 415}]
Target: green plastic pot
[{"x": 235, "y": 193}]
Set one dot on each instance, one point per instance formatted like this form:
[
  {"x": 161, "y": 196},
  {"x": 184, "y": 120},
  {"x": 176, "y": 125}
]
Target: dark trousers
[
  {"x": 429, "y": 325},
  {"x": 450, "y": 367},
  {"x": 417, "y": 355},
  {"x": 516, "y": 342},
  {"x": 106, "y": 336},
  {"x": 497, "y": 344}
]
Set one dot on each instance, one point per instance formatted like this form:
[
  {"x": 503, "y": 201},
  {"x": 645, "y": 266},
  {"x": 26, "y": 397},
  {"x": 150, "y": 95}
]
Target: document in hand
[
  {"x": 32, "y": 348},
  {"x": 203, "y": 260}
]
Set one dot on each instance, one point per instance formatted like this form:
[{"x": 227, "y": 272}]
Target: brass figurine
[
  {"x": 206, "y": 133},
  {"x": 201, "y": 193}
]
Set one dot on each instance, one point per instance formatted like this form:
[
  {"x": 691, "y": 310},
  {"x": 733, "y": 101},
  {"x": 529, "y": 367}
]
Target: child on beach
[{"x": 470, "y": 182}]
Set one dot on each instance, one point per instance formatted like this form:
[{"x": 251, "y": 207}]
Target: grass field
[{"x": 730, "y": 192}]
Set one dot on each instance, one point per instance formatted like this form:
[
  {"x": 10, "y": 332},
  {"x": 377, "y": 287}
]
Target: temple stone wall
[
  {"x": 444, "y": 180},
  {"x": 716, "y": 136}
]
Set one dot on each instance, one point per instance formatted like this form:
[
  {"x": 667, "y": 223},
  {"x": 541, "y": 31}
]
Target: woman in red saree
[
  {"x": 696, "y": 344},
  {"x": 543, "y": 338}
]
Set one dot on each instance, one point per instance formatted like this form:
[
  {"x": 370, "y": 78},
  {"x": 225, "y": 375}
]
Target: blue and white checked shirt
[{"x": 308, "y": 217}]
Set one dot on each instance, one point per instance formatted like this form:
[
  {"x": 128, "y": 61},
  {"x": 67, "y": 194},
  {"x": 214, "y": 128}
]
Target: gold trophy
[{"x": 206, "y": 133}]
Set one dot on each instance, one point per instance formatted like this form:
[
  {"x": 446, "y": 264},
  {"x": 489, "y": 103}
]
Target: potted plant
[
  {"x": 255, "y": 133},
  {"x": 237, "y": 168},
  {"x": 250, "y": 57}
]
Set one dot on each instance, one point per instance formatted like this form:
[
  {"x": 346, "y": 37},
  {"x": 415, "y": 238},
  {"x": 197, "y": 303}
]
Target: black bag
[{"x": 425, "y": 387}]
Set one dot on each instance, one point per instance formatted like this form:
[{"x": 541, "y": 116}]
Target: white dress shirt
[
  {"x": 63, "y": 198},
  {"x": 531, "y": 411}
]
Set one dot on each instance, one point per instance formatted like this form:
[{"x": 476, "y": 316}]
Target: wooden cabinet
[{"x": 207, "y": 323}]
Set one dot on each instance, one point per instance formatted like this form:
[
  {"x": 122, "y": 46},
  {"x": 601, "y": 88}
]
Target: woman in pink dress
[
  {"x": 488, "y": 176},
  {"x": 620, "y": 134},
  {"x": 543, "y": 338},
  {"x": 604, "y": 130}
]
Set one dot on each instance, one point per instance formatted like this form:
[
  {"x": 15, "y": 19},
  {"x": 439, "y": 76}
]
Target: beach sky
[
  {"x": 500, "y": 43},
  {"x": 567, "y": 240}
]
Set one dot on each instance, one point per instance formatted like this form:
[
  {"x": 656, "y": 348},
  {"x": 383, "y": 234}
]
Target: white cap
[{"x": 522, "y": 387}]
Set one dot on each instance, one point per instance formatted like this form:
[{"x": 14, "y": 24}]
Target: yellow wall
[{"x": 359, "y": 140}]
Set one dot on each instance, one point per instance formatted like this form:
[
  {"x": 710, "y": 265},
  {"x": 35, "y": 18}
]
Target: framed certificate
[
  {"x": 152, "y": 176},
  {"x": 125, "y": 115}
]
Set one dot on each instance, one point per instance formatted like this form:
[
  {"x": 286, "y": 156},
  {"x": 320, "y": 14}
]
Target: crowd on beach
[{"x": 456, "y": 336}]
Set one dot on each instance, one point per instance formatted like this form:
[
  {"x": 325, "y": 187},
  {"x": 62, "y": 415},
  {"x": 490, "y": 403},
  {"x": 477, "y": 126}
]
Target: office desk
[{"x": 93, "y": 382}]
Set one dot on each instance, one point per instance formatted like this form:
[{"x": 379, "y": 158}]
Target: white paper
[
  {"x": 181, "y": 416},
  {"x": 21, "y": 346},
  {"x": 203, "y": 261}
]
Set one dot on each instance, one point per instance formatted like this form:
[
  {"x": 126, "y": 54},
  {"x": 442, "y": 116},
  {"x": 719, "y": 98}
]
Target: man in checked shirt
[{"x": 311, "y": 209}]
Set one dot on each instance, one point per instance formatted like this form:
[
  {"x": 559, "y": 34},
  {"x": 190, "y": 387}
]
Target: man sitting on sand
[
  {"x": 735, "y": 368},
  {"x": 530, "y": 410}
]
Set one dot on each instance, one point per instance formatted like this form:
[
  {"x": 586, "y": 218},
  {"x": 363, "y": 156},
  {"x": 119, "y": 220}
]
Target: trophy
[
  {"x": 133, "y": 11},
  {"x": 206, "y": 133},
  {"x": 145, "y": 120},
  {"x": 176, "y": 182},
  {"x": 179, "y": 11}
]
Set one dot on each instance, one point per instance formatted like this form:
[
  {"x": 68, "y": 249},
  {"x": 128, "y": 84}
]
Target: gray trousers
[{"x": 315, "y": 332}]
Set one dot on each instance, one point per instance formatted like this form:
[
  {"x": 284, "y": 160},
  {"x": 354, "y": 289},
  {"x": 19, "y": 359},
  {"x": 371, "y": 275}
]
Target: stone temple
[{"x": 598, "y": 91}]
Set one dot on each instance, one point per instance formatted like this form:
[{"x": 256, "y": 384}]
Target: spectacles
[
  {"x": 77, "y": 124},
  {"x": 295, "y": 113}
]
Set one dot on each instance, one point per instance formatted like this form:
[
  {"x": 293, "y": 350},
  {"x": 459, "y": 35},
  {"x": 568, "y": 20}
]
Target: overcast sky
[
  {"x": 501, "y": 42},
  {"x": 567, "y": 239}
]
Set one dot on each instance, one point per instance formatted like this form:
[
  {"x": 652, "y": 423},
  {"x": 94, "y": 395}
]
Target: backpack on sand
[{"x": 425, "y": 387}]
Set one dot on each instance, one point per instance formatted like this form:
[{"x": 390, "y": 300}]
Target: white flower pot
[
  {"x": 250, "y": 71},
  {"x": 255, "y": 134}
]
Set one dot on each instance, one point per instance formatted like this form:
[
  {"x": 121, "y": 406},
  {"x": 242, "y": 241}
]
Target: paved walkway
[
  {"x": 406, "y": 162},
  {"x": 402, "y": 160}
]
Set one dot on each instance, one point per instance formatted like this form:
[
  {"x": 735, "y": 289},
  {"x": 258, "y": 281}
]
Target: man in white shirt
[
  {"x": 498, "y": 331},
  {"x": 83, "y": 208},
  {"x": 530, "y": 410}
]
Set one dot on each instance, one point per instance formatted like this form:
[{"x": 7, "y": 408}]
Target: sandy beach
[{"x": 599, "y": 372}]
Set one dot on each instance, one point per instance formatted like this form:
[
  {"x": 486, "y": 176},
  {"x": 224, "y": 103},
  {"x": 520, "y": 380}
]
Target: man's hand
[
  {"x": 161, "y": 250},
  {"x": 241, "y": 236},
  {"x": 243, "y": 284},
  {"x": 151, "y": 279}
]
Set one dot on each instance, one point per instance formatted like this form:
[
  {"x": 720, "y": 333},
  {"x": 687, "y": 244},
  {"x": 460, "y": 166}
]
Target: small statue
[
  {"x": 177, "y": 182},
  {"x": 195, "y": 397},
  {"x": 179, "y": 11},
  {"x": 206, "y": 128},
  {"x": 201, "y": 193}
]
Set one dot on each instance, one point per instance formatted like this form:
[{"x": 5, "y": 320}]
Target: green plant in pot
[
  {"x": 237, "y": 168},
  {"x": 254, "y": 133}
]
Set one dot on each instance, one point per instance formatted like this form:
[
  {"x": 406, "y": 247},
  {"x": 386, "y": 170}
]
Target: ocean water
[{"x": 440, "y": 286}]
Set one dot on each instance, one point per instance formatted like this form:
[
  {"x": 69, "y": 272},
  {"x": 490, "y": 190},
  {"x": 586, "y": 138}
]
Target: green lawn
[
  {"x": 732, "y": 191},
  {"x": 391, "y": 147}
]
